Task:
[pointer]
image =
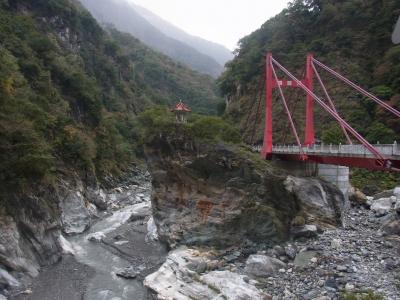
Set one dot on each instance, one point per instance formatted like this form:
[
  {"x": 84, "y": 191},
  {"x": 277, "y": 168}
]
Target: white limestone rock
[
  {"x": 66, "y": 246},
  {"x": 152, "y": 234},
  {"x": 75, "y": 217},
  {"x": 396, "y": 192},
  {"x": 175, "y": 280},
  {"x": 232, "y": 286},
  {"x": 96, "y": 236},
  {"x": 7, "y": 279}
]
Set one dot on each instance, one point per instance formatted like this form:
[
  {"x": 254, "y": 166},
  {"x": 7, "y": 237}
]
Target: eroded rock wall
[
  {"x": 32, "y": 225},
  {"x": 224, "y": 195},
  {"x": 29, "y": 236}
]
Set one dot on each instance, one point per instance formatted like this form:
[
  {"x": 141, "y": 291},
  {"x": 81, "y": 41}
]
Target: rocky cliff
[
  {"x": 224, "y": 195},
  {"x": 29, "y": 238},
  {"x": 33, "y": 224}
]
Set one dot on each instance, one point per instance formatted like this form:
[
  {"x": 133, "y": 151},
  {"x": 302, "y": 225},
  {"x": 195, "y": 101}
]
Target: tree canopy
[
  {"x": 70, "y": 92},
  {"x": 351, "y": 36}
]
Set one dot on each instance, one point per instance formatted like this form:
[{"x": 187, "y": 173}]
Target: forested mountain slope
[
  {"x": 124, "y": 17},
  {"x": 220, "y": 53},
  {"x": 351, "y": 36},
  {"x": 69, "y": 92}
]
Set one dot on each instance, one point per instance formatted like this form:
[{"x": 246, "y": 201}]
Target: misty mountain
[
  {"x": 220, "y": 53},
  {"x": 124, "y": 17}
]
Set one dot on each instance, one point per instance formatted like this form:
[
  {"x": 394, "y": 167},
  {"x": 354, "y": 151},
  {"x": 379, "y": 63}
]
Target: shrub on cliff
[
  {"x": 214, "y": 129},
  {"x": 155, "y": 121},
  {"x": 159, "y": 121}
]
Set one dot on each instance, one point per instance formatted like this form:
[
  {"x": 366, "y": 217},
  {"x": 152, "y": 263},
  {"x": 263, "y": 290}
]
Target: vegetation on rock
[
  {"x": 70, "y": 92},
  {"x": 159, "y": 121},
  {"x": 370, "y": 295}
]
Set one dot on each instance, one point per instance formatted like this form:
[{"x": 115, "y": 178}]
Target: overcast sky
[{"x": 221, "y": 21}]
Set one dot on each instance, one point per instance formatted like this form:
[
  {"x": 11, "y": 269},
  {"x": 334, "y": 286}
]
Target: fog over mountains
[
  {"x": 220, "y": 53},
  {"x": 199, "y": 54}
]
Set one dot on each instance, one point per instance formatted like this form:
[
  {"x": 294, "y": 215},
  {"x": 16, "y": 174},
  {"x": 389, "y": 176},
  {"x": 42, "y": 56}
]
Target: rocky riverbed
[
  {"x": 242, "y": 229},
  {"x": 112, "y": 255},
  {"x": 356, "y": 258},
  {"x": 111, "y": 260}
]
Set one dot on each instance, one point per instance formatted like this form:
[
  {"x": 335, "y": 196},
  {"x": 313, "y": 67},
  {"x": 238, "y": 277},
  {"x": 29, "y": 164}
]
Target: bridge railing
[{"x": 339, "y": 150}]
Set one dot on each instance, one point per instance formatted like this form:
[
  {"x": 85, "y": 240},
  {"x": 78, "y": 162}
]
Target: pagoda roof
[{"x": 181, "y": 107}]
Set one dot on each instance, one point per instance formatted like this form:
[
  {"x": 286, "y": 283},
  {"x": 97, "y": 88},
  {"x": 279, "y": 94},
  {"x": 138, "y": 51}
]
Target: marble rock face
[
  {"x": 224, "y": 195},
  {"x": 176, "y": 279},
  {"x": 75, "y": 216}
]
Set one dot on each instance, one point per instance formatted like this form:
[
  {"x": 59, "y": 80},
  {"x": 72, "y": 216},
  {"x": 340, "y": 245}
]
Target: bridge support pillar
[
  {"x": 267, "y": 145},
  {"x": 338, "y": 175},
  {"x": 309, "y": 131},
  {"x": 298, "y": 168}
]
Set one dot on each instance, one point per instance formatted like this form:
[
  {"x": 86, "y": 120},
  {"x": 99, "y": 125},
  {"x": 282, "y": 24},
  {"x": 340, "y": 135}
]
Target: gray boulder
[
  {"x": 306, "y": 231},
  {"x": 129, "y": 272},
  {"x": 96, "y": 237},
  {"x": 321, "y": 202},
  {"x": 382, "y": 207},
  {"x": 75, "y": 216},
  {"x": 304, "y": 258},
  {"x": 357, "y": 197},
  {"x": 291, "y": 251},
  {"x": 262, "y": 265},
  {"x": 98, "y": 197},
  {"x": 391, "y": 228}
]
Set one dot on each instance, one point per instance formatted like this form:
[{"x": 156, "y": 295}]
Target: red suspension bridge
[{"x": 362, "y": 154}]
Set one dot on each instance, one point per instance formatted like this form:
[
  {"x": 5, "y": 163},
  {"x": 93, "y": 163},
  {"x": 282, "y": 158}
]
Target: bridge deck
[
  {"x": 343, "y": 155},
  {"x": 388, "y": 150}
]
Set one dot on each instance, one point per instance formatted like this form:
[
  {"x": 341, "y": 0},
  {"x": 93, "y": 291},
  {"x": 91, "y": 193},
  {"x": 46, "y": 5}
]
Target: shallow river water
[
  {"x": 106, "y": 284},
  {"x": 120, "y": 242}
]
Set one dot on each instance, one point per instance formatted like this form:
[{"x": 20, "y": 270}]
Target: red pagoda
[{"x": 181, "y": 112}]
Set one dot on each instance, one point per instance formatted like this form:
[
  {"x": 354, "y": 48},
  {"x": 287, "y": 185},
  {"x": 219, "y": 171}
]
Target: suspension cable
[
  {"x": 294, "y": 106},
  {"x": 330, "y": 101},
  {"x": 358, "y": 88},
  {"x": 287, "y": 109},
  {"x": 381, "y": 159}
]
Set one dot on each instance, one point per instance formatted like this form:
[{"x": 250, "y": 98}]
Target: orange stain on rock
[{"x": 205, "y": 208}]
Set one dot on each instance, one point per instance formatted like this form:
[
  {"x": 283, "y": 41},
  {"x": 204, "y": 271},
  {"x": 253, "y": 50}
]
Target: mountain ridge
[
  {"x": 219, "y": 52},
  {"x": 124, "y": 17}
]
